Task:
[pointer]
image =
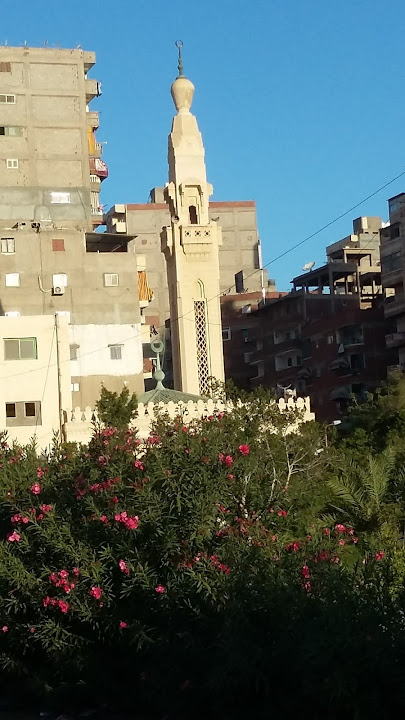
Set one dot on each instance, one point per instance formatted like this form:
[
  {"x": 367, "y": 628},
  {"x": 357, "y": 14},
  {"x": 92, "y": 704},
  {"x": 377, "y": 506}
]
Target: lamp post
[{"x": 335, "y": 423}]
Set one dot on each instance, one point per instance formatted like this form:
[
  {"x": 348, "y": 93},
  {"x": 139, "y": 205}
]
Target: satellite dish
[{"x": 309, "y": 266}]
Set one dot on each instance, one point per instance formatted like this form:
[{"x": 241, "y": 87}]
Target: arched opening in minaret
[{"x": 192, "y": 212}]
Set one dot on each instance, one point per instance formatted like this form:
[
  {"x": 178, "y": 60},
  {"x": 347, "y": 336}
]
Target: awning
[
  {"x": 304, "y": 373},
  {"x": 340, "y": 363},
  {"x": 340, "y": 393},
  {"x": 145, "y": 294}
]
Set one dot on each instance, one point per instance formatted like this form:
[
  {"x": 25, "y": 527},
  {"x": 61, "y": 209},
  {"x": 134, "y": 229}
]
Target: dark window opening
[
  {"x": 10, "y": 410},
  {"x": 29, "y": 409},
  {"x": 192, "y": 211}
]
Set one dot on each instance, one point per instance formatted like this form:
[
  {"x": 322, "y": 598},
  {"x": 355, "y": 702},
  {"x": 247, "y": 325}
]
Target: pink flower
[
  {"x": 282, "y": 513},
  {"x": 132, "y": 523},
  {"x": 305, "y": 572},
  {"x": 160, "y": 589},
  {"x": 230, "y": 476},
  {"x": 63, "y": 606},
  {"x": 380, "y": 555},
  {"x": 14, "y": 537},
  {"x": 355, "y": 540},
  {"x": 221, "y": 457},
  {"x": 228, "y": 461},
  {"x": 96, "y": 592},
  {"x": 123, "y": 567},
  {"x": 340, "y": 528},
  {"x": 273, "y": 538},
  {"x": 341, "y": 543},
  {"x": 307, "y": 586},
  {"x": 104, "y": 519},
  {"x": 46, "y": 508},
  {"x": 16, "y": 518},
  {"x": 40, "y": 473},
  {"x": 63, "y": 574},
  {"x": 294, "y": 546},
  {"x": 32, "y": 630},
  {"x": 76, "y": 571},
  {"x": 35, "y": 489},
  {"x": 123, "y": 625},
  {"x": 138, "y": 465},
  {"x": 244, "y": 449},
  {"x": 4, "y": 629},
  {"x": 115, "y": 499},
  {"x": 326, "y": 531}
]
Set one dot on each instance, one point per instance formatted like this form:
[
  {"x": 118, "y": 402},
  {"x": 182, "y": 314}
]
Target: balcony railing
[{"x": 396, "y": 339}]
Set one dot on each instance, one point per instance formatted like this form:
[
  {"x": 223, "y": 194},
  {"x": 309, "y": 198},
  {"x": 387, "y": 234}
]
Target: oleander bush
[{"x": 228, "y": 568}]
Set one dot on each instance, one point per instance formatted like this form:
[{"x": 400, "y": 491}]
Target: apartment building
[
  {"x": 393, "y": 278},
  {"x": 34, "y": 377},
  {"x": 241, "y": 330},
  {"x": 326, "y": 338},
  {"x": 51, "y": 259}
]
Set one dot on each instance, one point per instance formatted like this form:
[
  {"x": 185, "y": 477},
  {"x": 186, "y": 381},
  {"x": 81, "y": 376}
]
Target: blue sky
[{"x": 301, "y": 103}]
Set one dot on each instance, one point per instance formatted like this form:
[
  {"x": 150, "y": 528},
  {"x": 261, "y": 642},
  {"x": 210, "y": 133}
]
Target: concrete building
[
  {"x": 325, "y": 339},
  {"x": 240, "y": 331},
  {"x": 34, "y": 377},
  {"x": 51, "y": 260},
  {"x": 393, "y": 279}
]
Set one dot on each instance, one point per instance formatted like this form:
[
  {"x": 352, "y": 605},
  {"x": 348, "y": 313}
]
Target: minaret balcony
[{"x": 200, "y": 238}]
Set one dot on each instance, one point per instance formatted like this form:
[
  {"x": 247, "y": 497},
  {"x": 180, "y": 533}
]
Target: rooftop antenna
[{"x": 179, "y": 45}]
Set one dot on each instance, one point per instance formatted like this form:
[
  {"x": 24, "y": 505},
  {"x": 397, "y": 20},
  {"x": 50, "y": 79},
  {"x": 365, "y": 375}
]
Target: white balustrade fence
[{"x": 79, "y": 427}]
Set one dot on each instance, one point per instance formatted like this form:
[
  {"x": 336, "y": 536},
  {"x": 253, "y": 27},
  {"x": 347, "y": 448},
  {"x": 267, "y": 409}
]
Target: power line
[{"x": 278, "y": 257}]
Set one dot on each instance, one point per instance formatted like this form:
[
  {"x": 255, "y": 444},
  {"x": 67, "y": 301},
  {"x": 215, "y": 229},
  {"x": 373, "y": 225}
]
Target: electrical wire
[{"x": 273, "y": 260}]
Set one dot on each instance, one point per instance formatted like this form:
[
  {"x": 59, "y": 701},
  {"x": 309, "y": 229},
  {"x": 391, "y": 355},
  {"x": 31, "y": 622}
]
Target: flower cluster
[
  {"x": 244, "y": 449},
  {"x": 13, "y": 537},
  {"x": 226, "y": 460},
  {"x": 36, "y": 488},
  {"x": 18, "y": 518},
  {"x": 61, "y": 580},
  {"x": 96, "y": 592},
  {"x": 123, "y": 567},
  {"x": 61, "y": 604},
  {"x": 131, "y": 523}
]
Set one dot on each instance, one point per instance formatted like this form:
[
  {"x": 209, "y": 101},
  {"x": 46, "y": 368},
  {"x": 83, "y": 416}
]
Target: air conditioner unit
[{"x": 58, "y": 290}]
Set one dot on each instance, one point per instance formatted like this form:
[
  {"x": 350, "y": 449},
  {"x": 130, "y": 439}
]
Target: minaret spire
[{"x": 179, "y": 45}]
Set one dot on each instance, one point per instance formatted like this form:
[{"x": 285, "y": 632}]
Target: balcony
[
  {"x": 89, "y": 59},
  {"x": 396, "y": 339},
  {"x": 95, "y": 182},
  {"x": 394, "y": 306},
  {"x": 394, "y": 278},
  {"x": 93, "y": 119},
  {"x": 93, "y": 89}
]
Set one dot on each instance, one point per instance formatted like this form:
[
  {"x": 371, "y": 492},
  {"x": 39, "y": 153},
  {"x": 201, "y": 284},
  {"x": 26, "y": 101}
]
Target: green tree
[{"x": 116, "y": 409}]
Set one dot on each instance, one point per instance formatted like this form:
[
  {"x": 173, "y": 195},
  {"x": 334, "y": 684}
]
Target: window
[
  {"x": 74, "y": 387},
  {"x": 29, "y": 409},
  {"x": 248, "y": 357},
  {"x": 10, "y": 410},
  {"x": 7, "y": 99},
  {"x": 226, "y": 333},
  {"x": 60, "y": 198},
  {"x": 58, "y": 245},
  {"x": 23, "y": 413},
  {"x": 20, "y": 349},
  {"x": 245, "y": 334},
  {"x": 394, "y": 231},
  {"x": 192, "y": 211},
  {"x": 10, "y": 130},
  {"x": 12, "y": 164},
  {"x": 392, "y": 262},
  {"x": 116, "y": 352},
  {"x": 357, "y": 362},
  {"x": 290, "y": 362},
  {"x": 12, "y": 279},
  {"x": 246, "y": 309},
  {"x": 5, "y": 66},
  {"x": 111, "y": 280},
  {"x": 7, "y": 246},
  {"x": 12, "y": 313},
  {"x": 73, "y": 351},
  {"x": 331, "y": 339}
]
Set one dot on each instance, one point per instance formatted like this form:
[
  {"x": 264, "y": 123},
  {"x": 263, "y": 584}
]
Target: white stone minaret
[{"x": 190, "y": 246}]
